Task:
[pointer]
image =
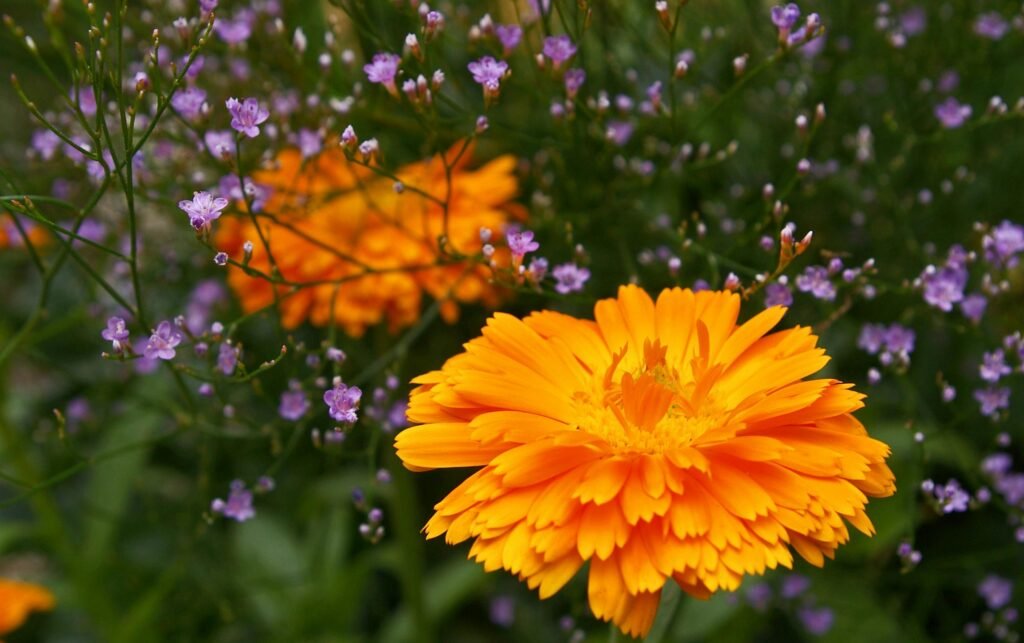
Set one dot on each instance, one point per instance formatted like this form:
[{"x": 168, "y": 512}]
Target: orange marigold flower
[
  {"x": 661, "y": 442},
  {"x": 18, "y": 600},
  {"x": 367, "y": 249}
]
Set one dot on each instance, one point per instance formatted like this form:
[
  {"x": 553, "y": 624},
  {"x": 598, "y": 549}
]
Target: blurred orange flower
[
  {"x": 18, "y": 600},
  {"x": 369, "y": 248},
  {"x": 662, "y": 442},
  {"x": 11, "y": 237}
]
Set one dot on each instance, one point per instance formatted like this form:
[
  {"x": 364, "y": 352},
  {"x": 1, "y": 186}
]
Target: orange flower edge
[
  {"x": 660, "y": 442},
  {"x": 18, "y": 600}
]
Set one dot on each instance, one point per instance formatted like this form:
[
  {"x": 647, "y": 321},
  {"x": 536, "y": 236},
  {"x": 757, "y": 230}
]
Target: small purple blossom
[
  {"x": 86, "y": 100},
  {"x": 759, "y": 595},
  {"x": 973, "y": 307},
  {"x": 785, "y": 17},
  {"x": 246, "y": 115},
  {"x": 993, "y": 366},
  {"x": 221, "y": 143},
  {"x": 944, "y": 286},
  {"x": 237, "y": 30},
  {"x": 816, "y": 620},
  {"x": 310, "y": 143},
  {"x": 203, "y": 209},
  {"x": 488, "y": 72},
  {"x": 520, "y": 243},
  {"x": 45, "y": 143},
  {"x": 117, "y": 334},
  {"x": 871, "y": 338},
  {"x": 899, "y": 339},
  {"x": 619, "y": 132},
  {"x": 509, "y": 36},
  {"x": 951, "y": 497},
  {"x": 382, "y": 70},
  {"x": 221, "y": 258},
  {"x": 190, "y": 103},
  {"x": 914, "y": 21},
  {"x": 793, "y": 585},
  {"x": 996, "y": 590},
  {"x": 569, "y": 278},
  {"x": 342, "y": 402},
  {"x": 162, "y": 342},
  {"x": 294, "y": 403},
  {"x": 1003, "y": 243},
  {"x": 559, "y": 49},
  {"x": 815, "y": 280},
  {"x": 991, "y": 25},
  {"x": 992, "y": 400},
  {"x": 227, "y": 358},
  {"x": 238, "y": 506},
  {"x": 951, "y": 113},
  {"x": 574, "y": 79},
  {"x": 776, "y": 294}
]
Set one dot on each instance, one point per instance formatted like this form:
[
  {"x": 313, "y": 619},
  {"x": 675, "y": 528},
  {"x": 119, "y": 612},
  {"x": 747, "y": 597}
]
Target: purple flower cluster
[
  {"x": 817, "y": 280},
  {"x": 1003, "y": 243},
  {"x": 294, "y": 402},
  {"x": 1010, "y": 484},
  {"x": 520, "y": 243},
  {"x": 382, "y": 71},
  {"x": 894, "y": 342},
  {"x": 950, "y": 497},
  {"x": 996, "y": 590},
  {"x": 944, "y": 286},
  {"x": 238, "y": 506},
  {"x": 162, "y": 342},
  {"x": 569, "y": 278},
  {"x": 342, "y": 402},
  {"x": 951, "y": 113}
]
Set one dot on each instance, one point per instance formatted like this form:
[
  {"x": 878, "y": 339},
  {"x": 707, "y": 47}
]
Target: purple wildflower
[
  {"x": 574, "y": 79},
  {"x": 117, "y": 334},
  {"x": 310, "y": 143},
  {"x": 1003, "y": 243},
  {"x": 973, "y": 307},
  {"x": 785, "y": 18},
  {"x": 872, "y": 338},
  {"x": 86, "y": 100},
  {"x": 914, "y": 21},
  {"x": 951, "y": 497},
  {"x": 944, "y": 286},
  {"x": 992, "y": 400},
  {"x": 997, "y": 464},
  {"x": 816, "y": 620},
  {"x": 342, "y": 401},
  {"x": 203, "y": 209},
  {"x": 190, "y": 103},
  {"x": 221, "y": 258},
  {"x": 509, "y": 36},
  {"x": 294, "y": 403},
  {"x": 759, "y": 595},
  {"x": 951, "y": 113},
  {"x": 899, "y": 339},
  {"x": 776, "y": 294},
  {"x": 258, "y": 192},
  {"x": 503, "y": 611},
  {"x": 382, "y": 70},
  {"x": 237, "y": 30},
  {"x": 227, "y": 358},
  {"x": 993, "y": 366},
  {"x": 570, "y": 278},
  {"x": 238, "y": 506},
  {"x": 45, "y": 143},
  {"x": 815, "y": 280},
  {"x": 794, "y": 585},
  {"x": 991, "y": 25},
  {"x": 488, "y": 72},
  {"x": 246, "y": 115},
  {"x": 619, "y": 132},
  {"x": 162, "y": 342},
  {"x": 996, "y": 590},
  {"x": 520, "y": 243},
  {"x": 221, "y": 143},
  {"x": 559, "y": 49}
]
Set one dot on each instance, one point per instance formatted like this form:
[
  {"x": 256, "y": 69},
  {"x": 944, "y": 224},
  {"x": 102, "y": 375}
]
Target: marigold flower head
[
  {"x": 661, "y": 442},
  {"x": 364, "y": 252},
  {"x": 18, "y": 600}
]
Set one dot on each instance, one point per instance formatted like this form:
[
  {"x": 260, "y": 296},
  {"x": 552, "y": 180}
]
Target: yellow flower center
[{"x": 647, "y": 409}]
